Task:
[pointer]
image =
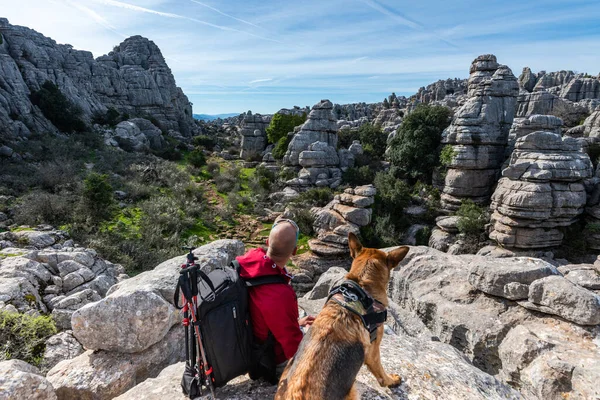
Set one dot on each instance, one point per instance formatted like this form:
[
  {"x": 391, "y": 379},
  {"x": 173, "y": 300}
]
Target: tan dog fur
[{"x": 337, "y": 344}]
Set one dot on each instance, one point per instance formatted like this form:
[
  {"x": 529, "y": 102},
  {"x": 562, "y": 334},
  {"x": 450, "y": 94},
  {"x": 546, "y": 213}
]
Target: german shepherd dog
[{"x": 337, "y": 344}]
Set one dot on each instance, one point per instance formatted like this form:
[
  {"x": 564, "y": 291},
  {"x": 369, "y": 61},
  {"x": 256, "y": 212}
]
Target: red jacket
[{"x": 273, "y": 307}]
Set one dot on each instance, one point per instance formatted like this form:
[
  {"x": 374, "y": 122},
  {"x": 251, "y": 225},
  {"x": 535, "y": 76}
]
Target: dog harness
[{"x": 354, "y": 298}]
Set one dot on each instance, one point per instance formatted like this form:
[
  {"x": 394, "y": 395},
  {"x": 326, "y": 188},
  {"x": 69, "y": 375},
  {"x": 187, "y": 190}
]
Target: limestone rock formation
[
  {"x": 254, "y": 138},
  {"x": 564, "y": 94},
  {"x": 545, "y": 356},
  {"x": 128, "y": 329},
  {"x": 19, "y": 380},
  {"x": 60, "y": 347},
  {"x": 547, "y": 103},
  {"x": 51, "y": 275},
  {"x": 104, "y": 375},
  {"x": 134, "y": 79},
  {"x": 137, "y": 134},
  {"x": 389, "y": 119},
  {"x": 346, "y": 213},
  {"x": 541, "y": 190},
  {"x": 524, "y": 126},
  {"x": 438, "y": 91},
  {"x": 320, "y": 126},
  {"x": 478, "y": 133}
]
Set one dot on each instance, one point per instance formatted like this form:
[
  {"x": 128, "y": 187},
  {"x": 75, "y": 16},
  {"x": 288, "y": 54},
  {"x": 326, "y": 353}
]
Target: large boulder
[
  {"x": 103, "y": 375},
  {"x": 60, "y": 347},
  {"x": 19, "y": 380},
  {"x": 146, "y": 300},
  {"x": 434, "y": 286},
  {"x": 509, "y": 277},
  {"x": 559, "y": 296}
]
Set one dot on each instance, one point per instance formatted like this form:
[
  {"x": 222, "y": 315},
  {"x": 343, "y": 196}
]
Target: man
[{"x": 274, "y": 307}]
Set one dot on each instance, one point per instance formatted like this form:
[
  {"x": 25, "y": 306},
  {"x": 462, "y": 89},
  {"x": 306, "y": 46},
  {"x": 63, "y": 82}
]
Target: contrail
[
  {"x": 227, "y": 15},
  {"x": 132, "y": 7},
  {"x": 95, "y": 16}
]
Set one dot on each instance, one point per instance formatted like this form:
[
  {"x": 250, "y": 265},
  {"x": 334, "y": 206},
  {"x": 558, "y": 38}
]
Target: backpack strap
[
  {"x": 258, "y": 281},
  {"x": 265, "y": 280}
]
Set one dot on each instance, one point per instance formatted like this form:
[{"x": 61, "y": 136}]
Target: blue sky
[{"x": 232, "y": 56}]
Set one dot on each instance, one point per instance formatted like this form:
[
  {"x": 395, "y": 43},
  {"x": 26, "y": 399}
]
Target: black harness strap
[{"x": 354, "y": 298}]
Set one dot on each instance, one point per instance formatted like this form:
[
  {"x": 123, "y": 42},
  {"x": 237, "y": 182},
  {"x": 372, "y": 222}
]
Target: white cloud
[{"x": 260, "y": 80}]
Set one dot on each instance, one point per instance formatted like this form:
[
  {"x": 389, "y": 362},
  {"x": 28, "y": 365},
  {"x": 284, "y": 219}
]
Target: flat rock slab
[
  {"x": 430, "y": 370},
  {"x": 508, "y": 277},
  {"x": 358, "y": 216},
  {"x": 558, "y": 296}
]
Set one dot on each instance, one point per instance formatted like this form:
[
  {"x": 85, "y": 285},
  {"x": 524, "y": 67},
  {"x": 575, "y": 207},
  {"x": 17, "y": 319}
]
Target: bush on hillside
[
  {"x": 196, "y": 158},
  {"x": 472, "y": 218},
  {"x": 55, "y": 106},
  {"x": 98, "y": 196},
  {"x": 205, "y": 141},
  {"x": 447, "y": 155},
  {"x": 414, "y": 150},
  {"x": 227, "y": 181},
  {"x": 281, "y": 124},
  {"x": 315, "y": 197},
  {"x": 111, "y": 117},
  {"x": 357, "y": 176},
  {"x": 346, "y": 136},
  {"x": 281, "y": 147},
  {"x": 24, "y": 336},
  {"x": 373, "y": 140}
]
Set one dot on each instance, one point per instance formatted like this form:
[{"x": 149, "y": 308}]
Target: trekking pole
[{"x": 192, "y": 271}]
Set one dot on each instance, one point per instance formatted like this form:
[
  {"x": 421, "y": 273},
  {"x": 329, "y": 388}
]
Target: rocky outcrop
[
  {"x": 137, "y": 134},
  {"x": 546, "y": 103},
  {"x": 541, "y": 190},
  {"x": 60, "y": 347},
  {"x": 19, "y": 380},
  {"x": 354, "y": 111},
  {"x": 564, "y": 94},
  {"x": 437, "y": 91},
  {"x": 320, "y": 126},
  {"x": 320, "y": 166},
  {"x": 142, "y": 301},
  {"x": 346, "y": 213},
  {"x": 478, "y": 133},
  {"x": 544, "y": 356},
  {"x": 254, "y": 138},
  {"x": 134, "y": 79},
  {"x": 389, "y": 119},
  {"x": 143, "y": 336},
  {"x": 524, "y": 126},
  {"x": 50, "y": 274}
]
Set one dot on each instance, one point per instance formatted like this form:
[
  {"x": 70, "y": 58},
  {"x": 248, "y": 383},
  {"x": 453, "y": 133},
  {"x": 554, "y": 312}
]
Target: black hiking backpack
[{"x": 222, "y": 317}]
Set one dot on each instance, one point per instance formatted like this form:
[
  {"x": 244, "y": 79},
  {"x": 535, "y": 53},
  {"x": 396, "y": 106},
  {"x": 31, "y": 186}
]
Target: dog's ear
[
  {"x": 395, "y": 256},
  {"x": 354, "y": 244}
]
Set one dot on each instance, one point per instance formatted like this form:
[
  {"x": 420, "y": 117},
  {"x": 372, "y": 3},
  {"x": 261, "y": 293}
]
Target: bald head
[{"x": 282, "y": 241}]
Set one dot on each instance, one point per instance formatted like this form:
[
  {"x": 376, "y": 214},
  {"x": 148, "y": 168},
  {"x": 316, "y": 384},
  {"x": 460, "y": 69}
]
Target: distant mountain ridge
[{"x": 208, "y": 117}]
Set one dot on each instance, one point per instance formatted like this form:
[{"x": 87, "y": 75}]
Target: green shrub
[
  {"x": 315, "y": 197},
  {"x": 213, "y": 168},
  {"x": 472, "y": 218},
  {"x": 204, "y": 141},
  {"x": 24, "y": 337},
  {"x": 392, "y": 193},
  {"x": 447, "y": 155},
  {"x": 304, "y": 219},
  {"x": 281, "y": 125},
  {"x": 593, "y": 227},
  {"x": 111, "y": 117},
  {"x": 281, "y": 147},
  {"x": 414, "y": 150},
  {"x": 196, "y": 158},
  {"x": 359, "y": 176},
  {"x": 55, "y": 106},
  {"x": 228, "y": 180},
  {"x": 346, "y": 136},
  {"x": 98, "y": 196},
  {"x": 373, "y": 140},
  {"x": 422, "y": 236},
  {"x": 40, "y": 207}
]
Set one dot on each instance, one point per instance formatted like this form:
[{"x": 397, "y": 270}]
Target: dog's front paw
[{"x": 393, "y": 380}]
